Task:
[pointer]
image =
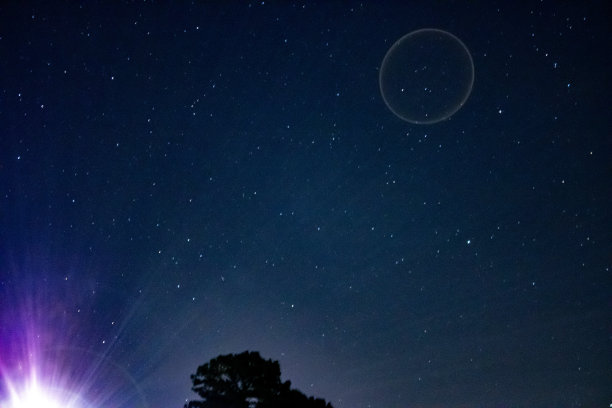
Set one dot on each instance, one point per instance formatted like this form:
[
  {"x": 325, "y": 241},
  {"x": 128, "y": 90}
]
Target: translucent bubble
[{"x": 426, "y": 76}]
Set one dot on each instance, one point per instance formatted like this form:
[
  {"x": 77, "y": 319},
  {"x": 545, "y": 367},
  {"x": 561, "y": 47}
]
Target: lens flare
[
  {"x": 23, "y": 387},
  {"x": 49, "y": 359},
  {"x": 34, "y": 395},
  {"x": 66, "y": 378}
]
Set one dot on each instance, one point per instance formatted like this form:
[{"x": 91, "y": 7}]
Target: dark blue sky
[{"x": 183, "y": 181}]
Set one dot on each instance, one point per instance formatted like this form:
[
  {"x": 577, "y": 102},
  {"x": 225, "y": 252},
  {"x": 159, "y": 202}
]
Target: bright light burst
[
  {"x": 52, "y": 356},
  {"x": 35, "y": 398},
  {"x": 32, "y": 394},
  {"x": 41, "y": 367},
  {"x": 67, "y": 383}
]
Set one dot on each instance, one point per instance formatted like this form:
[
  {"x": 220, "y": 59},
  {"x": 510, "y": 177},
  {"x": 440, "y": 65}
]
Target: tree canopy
[{"x": 246, "y": 380}]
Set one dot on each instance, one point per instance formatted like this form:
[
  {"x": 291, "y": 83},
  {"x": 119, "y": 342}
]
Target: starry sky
[{"x": 183, "y": 180}]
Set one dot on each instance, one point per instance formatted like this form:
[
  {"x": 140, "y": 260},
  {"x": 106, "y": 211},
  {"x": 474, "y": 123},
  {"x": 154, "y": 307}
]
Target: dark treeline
[{"x": 246, "y": 380}]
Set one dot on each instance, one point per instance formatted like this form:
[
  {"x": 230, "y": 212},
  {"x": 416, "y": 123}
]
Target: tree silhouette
[{"x": 246, "y": 380}]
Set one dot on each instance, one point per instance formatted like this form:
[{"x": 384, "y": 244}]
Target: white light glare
[
  {"x": 33, "y": 398},
  {"x": 33, "y": 395}
]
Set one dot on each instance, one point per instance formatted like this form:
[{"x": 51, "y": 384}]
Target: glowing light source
[
  {"x": 31, "y": 394},
  {"x": 34, "y": 398},
  {"x": 43, "y": 363}
]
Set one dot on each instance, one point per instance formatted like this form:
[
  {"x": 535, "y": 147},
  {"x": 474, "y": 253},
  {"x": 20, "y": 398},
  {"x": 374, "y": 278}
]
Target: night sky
[{"x": 179, "y": 181}]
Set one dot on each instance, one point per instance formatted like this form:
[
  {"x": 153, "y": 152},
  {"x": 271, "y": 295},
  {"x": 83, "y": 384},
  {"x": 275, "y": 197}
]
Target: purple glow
[
  {"x": 31, "y": 393},
  {"x": 43, "y": 361},
  {"x": 31, "y": 375}
]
